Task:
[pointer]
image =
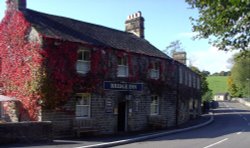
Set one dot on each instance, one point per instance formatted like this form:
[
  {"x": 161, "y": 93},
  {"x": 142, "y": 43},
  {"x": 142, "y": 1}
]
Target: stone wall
[
  {"x": 105, "y": 120},
  {"x": 62, "y": 122},
  {"x": 26, "y": 132}
]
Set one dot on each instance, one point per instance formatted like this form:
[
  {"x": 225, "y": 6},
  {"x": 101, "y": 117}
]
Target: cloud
[{"x": 212, "y": 59}]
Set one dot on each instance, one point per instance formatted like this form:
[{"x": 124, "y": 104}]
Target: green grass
[{"x": 218, "y": 84}]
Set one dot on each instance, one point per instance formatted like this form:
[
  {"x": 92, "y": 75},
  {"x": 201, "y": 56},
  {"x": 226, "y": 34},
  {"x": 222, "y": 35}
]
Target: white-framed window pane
[
  {"x": 82, "y": 66},
  {"x": 82, "y": 111},
  {"x": 154, "y": 105},
  {"x": 122, "y": 71},
  {"x": 154, "y": 74},
  {"x": 83, "y": 105},
  {"x": 83, "y": 61}
]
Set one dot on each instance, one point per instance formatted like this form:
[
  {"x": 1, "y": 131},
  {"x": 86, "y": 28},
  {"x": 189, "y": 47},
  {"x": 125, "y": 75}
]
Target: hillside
[{"x": 218, "y": 84}]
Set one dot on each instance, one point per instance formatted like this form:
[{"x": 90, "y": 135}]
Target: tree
[
  {"x": 226, "y": 20},
  {"x": 232, "y": 88},
  {"x": 241, "y": 73},
  {"x": 173, "y": 47},
  {"x": 206, "y": 73}
]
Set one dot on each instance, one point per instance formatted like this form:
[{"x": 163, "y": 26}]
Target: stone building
[{"x": 90, "y": 78}]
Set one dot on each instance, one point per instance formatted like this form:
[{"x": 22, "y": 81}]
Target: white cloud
[{"x": 212, "y": 59}]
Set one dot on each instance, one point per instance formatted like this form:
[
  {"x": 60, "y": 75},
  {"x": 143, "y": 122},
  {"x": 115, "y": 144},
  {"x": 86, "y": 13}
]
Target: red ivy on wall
[{"x": 20, "y": 64}]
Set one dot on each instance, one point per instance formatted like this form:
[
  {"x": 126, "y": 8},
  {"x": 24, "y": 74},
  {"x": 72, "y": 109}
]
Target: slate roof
[{"x": 78, "y": 31}]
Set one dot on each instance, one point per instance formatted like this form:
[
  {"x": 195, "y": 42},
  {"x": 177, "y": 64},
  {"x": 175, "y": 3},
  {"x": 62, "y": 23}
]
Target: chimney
[
  {"x": 135, "y": 24},
  {"x": 16, "y": 4},
  {"x": 180, "y": 56}
]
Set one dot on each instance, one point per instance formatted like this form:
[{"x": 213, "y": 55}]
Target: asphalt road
[{"x": 230, "y": 129}]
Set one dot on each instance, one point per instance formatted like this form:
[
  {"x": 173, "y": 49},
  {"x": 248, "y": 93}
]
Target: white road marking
[{"x": 211, "y": 145}]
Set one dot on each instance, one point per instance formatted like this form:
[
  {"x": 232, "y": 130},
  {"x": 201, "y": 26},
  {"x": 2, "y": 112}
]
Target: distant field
[{"x": 218, "y": 84}]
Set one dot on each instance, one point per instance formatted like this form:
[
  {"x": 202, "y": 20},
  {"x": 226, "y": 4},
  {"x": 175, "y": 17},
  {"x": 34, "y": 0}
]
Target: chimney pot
[{"x": 135, "y": 24}]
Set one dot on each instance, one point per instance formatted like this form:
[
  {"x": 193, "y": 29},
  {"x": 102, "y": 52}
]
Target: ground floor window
[
  {"x": 154, "y": 105},
  {"x": 83, "y": 101}
]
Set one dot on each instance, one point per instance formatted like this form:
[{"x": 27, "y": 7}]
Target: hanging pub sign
[{"x": 122, "y": 86}]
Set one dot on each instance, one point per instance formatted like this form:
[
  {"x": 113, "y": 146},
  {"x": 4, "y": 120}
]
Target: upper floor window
[
  {"x": 154, "y": 105},
  {"x": 186, "y": 78},
  {"x": 198, "y": 83},
  {"x": 190, "y": 80},
  {"x": 155, "y": 70},
  {"x": 83, "y": 105},
  {"x": 83, "y": 61},
  {"x": 194, "y": 81},
  {"x": 180, "y": 75},
  {"x": 122, "y": 70}
]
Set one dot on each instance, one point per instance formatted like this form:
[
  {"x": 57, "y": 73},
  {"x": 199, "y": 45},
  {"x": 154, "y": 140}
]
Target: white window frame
[
  {"x": 155, "y": 71},
  {"x": 82, "y": 105},
  {"x": 154, "y": 105},
  {"x": 122, "y": 66},
  {"x": 83, "y": 64},
  {"x": 194, "y": 79}
]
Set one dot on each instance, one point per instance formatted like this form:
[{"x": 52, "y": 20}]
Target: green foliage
[
  {"x": 241, "y": 73},
  {"x": 208, "y": 96},
  {"x": 232, "y": 88},
  {"x": 226, "y": 20},
  {"x": 218, "y": 84}
]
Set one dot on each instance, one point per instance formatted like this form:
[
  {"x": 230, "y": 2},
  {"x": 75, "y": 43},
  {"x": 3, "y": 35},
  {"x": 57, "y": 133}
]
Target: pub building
[{"x": 124, "y": 83}]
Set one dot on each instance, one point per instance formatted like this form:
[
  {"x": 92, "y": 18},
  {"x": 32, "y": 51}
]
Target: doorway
[{"x": 122, "y": 117}]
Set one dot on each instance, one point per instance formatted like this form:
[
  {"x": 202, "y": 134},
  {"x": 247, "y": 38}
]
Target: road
[{"x": 229, "y": 130}]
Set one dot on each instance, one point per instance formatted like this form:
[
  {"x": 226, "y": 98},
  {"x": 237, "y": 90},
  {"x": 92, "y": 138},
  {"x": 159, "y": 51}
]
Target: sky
[{"x": 165, "y": 21}]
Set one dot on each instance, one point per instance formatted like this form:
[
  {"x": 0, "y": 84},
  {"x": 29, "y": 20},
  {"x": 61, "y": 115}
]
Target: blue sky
[{"x": 165, "y": 21}]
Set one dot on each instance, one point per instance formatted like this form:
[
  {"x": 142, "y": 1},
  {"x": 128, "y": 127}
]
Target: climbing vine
[{"x": 20, "y": 64}]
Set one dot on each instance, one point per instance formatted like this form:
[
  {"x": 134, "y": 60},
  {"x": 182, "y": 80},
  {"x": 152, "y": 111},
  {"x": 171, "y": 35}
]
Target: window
[
  {"x": 198, "y": 83},
  {"x": 83, "y": 105},
  {"x": 155, "y": 71},
  {"x": 122, "y": 70},
  {"x": 190, "y": 80},
  {"x": 180, "y": 75},
  {"x": 83, "y": 61},
  {"x": 154, "y": 105},
  {"x": 186, "y": 78},
  {"x": 194, "y": 79}
]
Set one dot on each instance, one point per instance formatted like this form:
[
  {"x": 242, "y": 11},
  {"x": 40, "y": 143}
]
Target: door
[{"x": 121, "y": 125}]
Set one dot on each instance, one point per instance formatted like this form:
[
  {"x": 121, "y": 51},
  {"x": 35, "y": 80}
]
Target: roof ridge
[{"x": 81, "y": 21}]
